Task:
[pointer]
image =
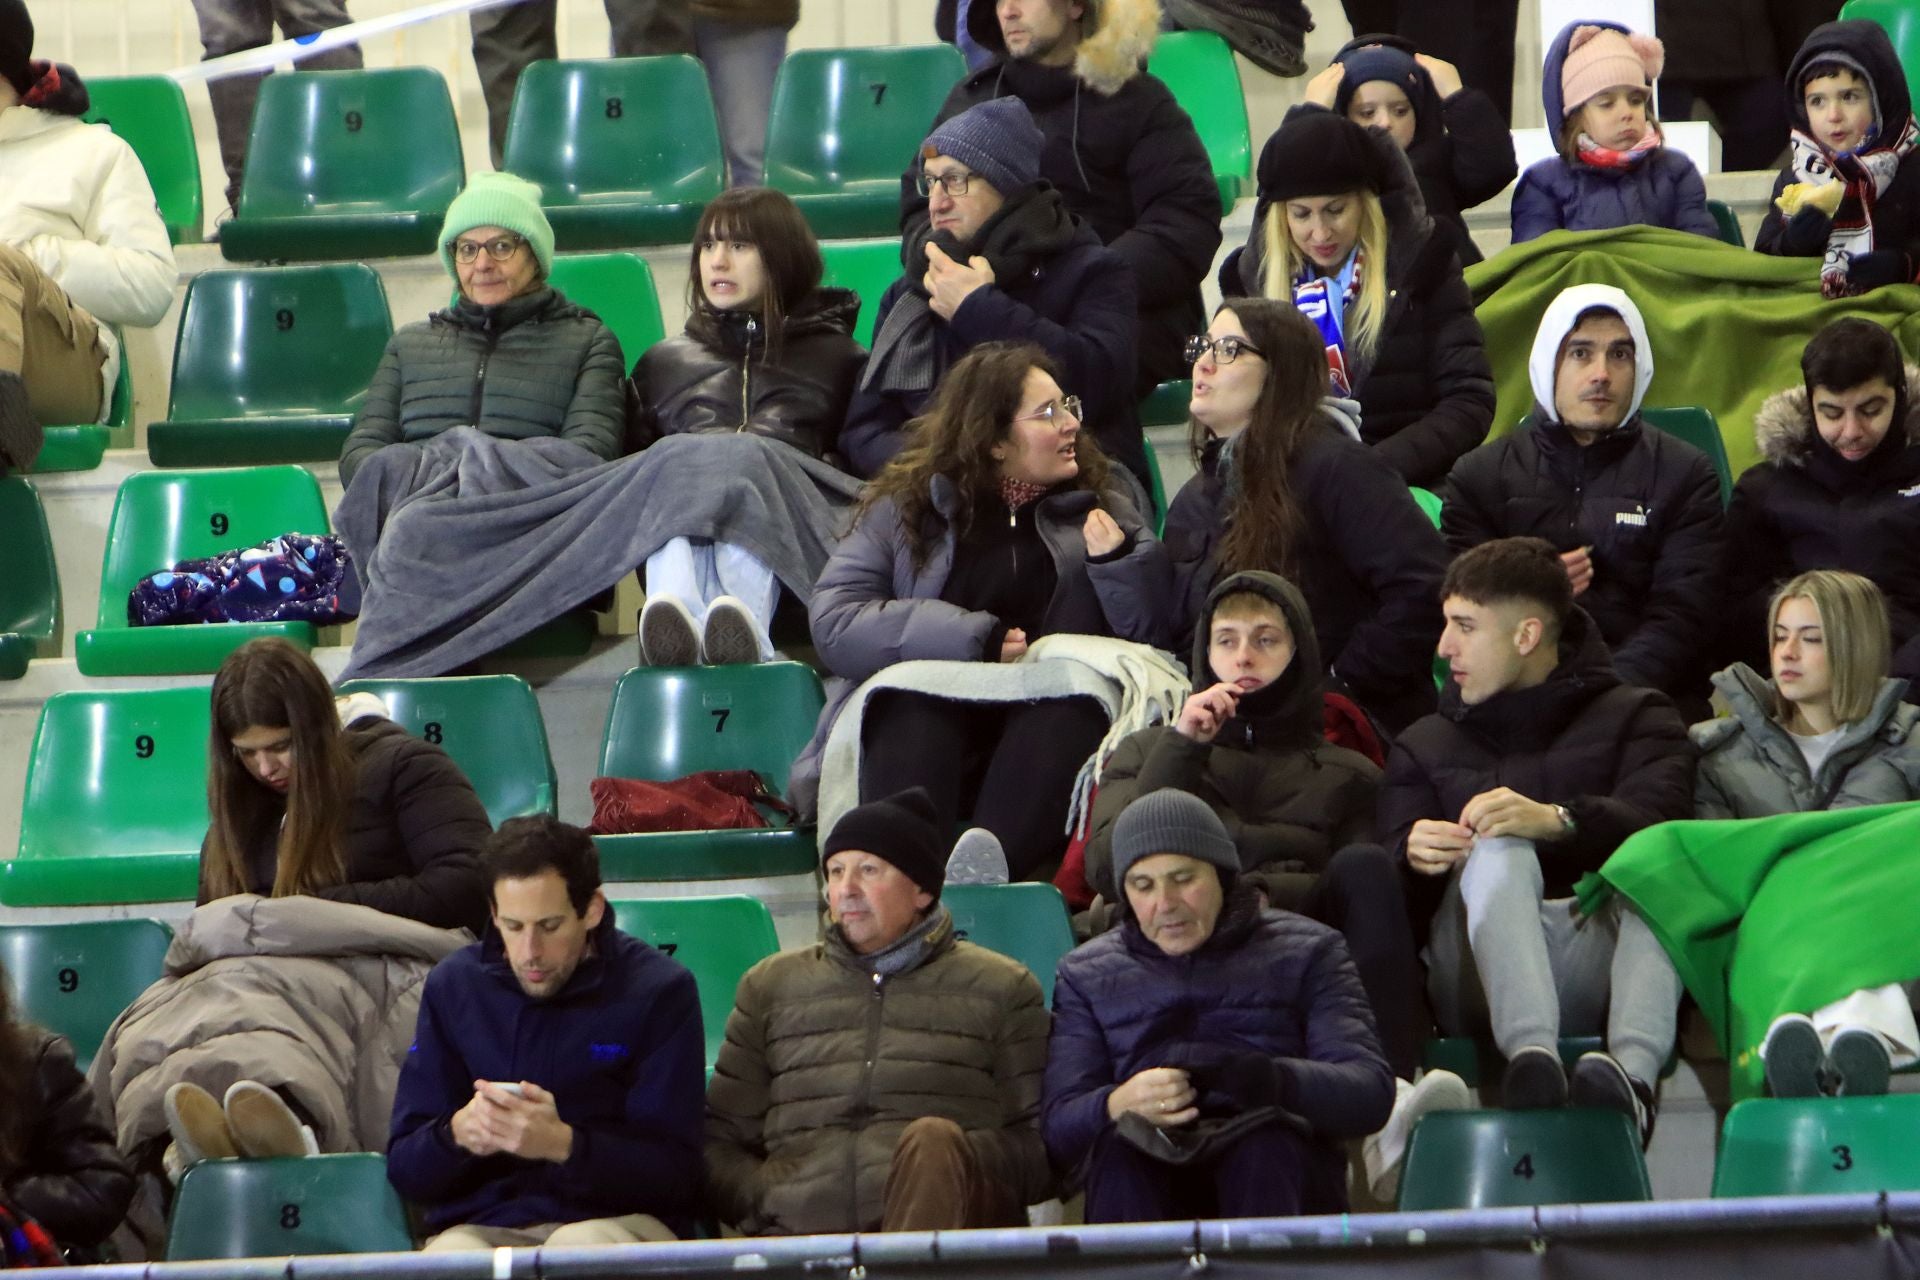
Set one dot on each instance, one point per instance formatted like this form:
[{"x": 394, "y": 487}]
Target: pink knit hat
[{"x": 1600, "y": 58}]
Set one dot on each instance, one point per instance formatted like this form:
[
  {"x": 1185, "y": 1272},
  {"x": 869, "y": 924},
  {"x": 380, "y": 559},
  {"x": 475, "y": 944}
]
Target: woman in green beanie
[{"x": 511, "y": 356}]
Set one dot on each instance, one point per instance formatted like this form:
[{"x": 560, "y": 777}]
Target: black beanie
[
  {"x": 900, "y": 829},
  {"x": 1317, "y": 153},
  {"x": 16, "y": 45}
]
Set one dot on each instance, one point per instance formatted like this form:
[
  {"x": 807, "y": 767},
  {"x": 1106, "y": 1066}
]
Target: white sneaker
[
  {"x": 668, "y": 636},
  {"x": 732, "y": 635},
  {"x": 1384, "y": 1154}
]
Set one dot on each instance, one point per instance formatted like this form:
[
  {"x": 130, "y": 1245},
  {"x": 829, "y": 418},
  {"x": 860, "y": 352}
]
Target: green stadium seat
[
  {"x": 667, "y": 722},
  {"x": 1901, "y": 18},
  {"x": 1198, "y": 67},
  {"x": 1027, "y": 922},
  {"x": 76, "y": 978},
  {"x": 1729, "y": 223},
  {"x": 1697, "y": 427},
  {"x": 270, "y": 365},
  {"x": 298, "y": 1205},
  {"x": 614, "y": 169},
  {"x": 150, "y": 114},
  {"x": 1497, "y": 1159},
  {"x": 867, "y": 267},
  {"x": 1819, "y": 1146},
  {"x": 1166, "y": 405},
  {"x": 163, "y": 517},
  {"x": 490, "y": 725},
  {"x": 30, "y": 585},
  {"x": 80, "y": 447},
  {"x": 846, "y": 122},
  {"x": 718, "y": 938},
  {"x": 1429, "y": 502},
  {"x": 116, "y": 800},
  {"x": 346, "y": 165},
  {"x": 619, "y": 288}
]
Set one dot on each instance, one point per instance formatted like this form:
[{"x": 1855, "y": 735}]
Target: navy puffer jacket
[{"x": 1267, "y": 982}]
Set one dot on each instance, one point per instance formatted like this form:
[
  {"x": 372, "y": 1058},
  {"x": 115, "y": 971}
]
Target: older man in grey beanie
[
  {"x": 1006, "y": 261},
  {"x": 1208, "y": 1056}
]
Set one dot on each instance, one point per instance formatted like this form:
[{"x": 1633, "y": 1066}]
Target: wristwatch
[{"x": 1567, "y": 825}]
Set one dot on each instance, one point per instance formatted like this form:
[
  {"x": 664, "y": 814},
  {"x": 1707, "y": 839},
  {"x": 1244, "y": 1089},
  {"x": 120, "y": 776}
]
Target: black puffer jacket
[
  {"x": 1369, "y": 566},
  {"x": 1426, "y": 396},
  {"x": 1287, "y": 796},
  {"x": 72, "y": 1179},
  {"x": 413, "y": 838},
  {"x": 1616, "y": 756},
  {"x": 1805, "y": 507},
  {"x": 532, "y": 366},
  {"x": 714, "y": 377},
  {"x": 1646, "y": 504},
  {"x": 1462, "y": 151}
]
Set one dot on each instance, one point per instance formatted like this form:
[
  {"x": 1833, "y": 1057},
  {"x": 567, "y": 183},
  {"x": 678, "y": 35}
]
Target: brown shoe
[
  {"x": 198, "y": 1125},
  {"x": 263, "y": 1125}
]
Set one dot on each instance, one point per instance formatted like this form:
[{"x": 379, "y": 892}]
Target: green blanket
[
  {"x": 1727, "y": 325},
  {"x": 1755, "y": 932}
]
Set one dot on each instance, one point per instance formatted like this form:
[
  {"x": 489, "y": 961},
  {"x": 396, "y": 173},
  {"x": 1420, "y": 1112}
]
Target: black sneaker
[
  {"x": 1793, "y": 1057},
  {"x": 1535, "y": 1081},
  {"x": 1600, "y": 1081},
  {"x": 1858, "y": 1064}
]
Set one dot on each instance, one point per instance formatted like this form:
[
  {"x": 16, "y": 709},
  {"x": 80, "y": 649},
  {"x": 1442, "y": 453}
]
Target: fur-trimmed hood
[
  {"x": 1115, "y": 38},
  {"x": 1783, "y": 429}
]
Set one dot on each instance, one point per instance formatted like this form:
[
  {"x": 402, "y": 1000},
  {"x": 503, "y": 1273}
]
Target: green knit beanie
[{"x": 499, "y": 200}]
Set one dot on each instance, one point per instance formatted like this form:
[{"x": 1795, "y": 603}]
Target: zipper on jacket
[
  {"x": 480, "y": 376},
  {"x": 863, "y": 1103},
  {"x": 746, "y": 374}
]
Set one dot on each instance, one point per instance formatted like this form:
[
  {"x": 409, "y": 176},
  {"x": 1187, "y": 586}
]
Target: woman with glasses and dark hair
[
  {"x": 1284, "y": 485},
  {"x": 1001, "y": 524},
  {"x": 511, "y": 356}
]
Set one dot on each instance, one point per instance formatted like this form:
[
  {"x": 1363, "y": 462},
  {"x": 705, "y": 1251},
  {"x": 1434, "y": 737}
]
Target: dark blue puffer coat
[{"x": 1267, "y": 982}]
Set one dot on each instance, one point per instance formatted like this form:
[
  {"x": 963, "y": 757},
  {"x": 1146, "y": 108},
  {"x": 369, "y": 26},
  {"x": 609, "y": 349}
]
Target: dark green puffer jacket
[{"x": 534, "y": 366}]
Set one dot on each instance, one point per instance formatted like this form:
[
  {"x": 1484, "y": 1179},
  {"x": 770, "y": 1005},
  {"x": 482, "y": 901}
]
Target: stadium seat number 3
[{"x": 1842, "y": 1158}]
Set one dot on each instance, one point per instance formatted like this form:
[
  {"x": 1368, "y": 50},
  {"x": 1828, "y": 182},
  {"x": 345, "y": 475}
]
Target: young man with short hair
[{"x": 1538, "y": 765}]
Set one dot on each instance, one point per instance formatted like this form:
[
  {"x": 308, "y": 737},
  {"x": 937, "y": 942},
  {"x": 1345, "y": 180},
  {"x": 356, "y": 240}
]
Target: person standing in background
[{"x": 741, "y": 43}]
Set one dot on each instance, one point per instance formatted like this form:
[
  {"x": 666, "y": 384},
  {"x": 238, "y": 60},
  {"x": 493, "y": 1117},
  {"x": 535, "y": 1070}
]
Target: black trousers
[
  {"x": 1269, "y": 1173},
  {"x": 1361, "y": 895},
  {"x": 1006, "y": 767},
  {"x": 1476, "y": 36}
]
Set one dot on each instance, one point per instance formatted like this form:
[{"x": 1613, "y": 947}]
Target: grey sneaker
[
  {"x": 1535, "y": 1081},
  {"x": 977, "y": 858},
  {"x": 1793, "y": 1057},
  {"x": 1858, "y": 1064},
  {"x": 731, "y": 634},
  {"x": 668, "y": 636}
]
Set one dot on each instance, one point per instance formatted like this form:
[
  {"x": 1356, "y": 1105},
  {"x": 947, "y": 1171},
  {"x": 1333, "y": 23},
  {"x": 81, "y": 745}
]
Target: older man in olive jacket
[{"x": 891, "y": 1051}]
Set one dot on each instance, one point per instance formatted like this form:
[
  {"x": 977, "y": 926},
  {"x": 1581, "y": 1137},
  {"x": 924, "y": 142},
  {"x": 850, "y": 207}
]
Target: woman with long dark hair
[
  {"x": 1285, "y": 486},
  {"x": 767, "y": 353}
]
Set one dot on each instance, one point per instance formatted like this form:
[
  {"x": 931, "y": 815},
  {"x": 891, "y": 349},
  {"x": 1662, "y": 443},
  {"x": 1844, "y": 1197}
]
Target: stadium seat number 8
[
  {"x": 290, "y": 1217},
  {"x": 615, "y": 109},
  {"x": 431, "y": 731}
]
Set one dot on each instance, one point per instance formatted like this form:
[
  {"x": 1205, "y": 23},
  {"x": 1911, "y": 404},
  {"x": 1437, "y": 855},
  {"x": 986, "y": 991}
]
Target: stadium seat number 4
[{"x": 1524, "y": 1167}]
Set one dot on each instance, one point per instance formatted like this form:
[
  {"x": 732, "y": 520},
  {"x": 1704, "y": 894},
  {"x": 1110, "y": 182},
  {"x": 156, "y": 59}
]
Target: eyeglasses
[
  {"x": 1225, "y": 350},
  {"x": 1051, "y": 410},
  {"x": 955, "y": 181},
  {"x": 500, "y": 248}
]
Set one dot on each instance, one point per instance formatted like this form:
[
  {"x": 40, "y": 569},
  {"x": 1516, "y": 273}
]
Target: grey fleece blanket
[{"x": 466, "y": 543}]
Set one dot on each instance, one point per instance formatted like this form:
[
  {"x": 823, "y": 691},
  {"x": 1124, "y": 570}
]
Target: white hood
[{"x": 1558, "y": 322}]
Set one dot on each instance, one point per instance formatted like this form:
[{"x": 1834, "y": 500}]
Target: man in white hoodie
[{"x": 81, "y": 247}]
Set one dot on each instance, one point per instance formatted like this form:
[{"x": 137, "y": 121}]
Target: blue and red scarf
[{"x": 1313, "y": 295}]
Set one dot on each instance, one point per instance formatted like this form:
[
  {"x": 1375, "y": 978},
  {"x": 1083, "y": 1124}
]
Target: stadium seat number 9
[
  {"x": 355, "y": 122},
  {"x": 218, "y": 523}
]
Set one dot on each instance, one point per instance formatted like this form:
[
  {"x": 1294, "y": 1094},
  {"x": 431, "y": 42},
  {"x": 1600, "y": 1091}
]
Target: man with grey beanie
[
  {"x": 1006, "y": 260},
  {"x": 1208, "y": 1056}
]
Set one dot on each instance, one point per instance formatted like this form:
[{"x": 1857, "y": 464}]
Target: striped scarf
[{"x": 1867, "y": 170}]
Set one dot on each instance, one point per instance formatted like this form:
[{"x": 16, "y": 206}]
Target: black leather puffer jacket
[
  {"x": 72, "y": 1179},
  {"x": 714, "y": 377}
]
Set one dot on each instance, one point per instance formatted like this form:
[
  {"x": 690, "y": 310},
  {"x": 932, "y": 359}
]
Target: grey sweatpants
[{"x": 1506, "y": 959}]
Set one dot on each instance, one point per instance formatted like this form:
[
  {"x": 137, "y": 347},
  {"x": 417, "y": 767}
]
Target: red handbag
[{"x": 711, "y": 800}]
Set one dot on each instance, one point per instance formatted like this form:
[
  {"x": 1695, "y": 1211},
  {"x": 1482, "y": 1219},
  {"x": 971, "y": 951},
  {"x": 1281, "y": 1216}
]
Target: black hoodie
[{"x": 1288, "y": 798}]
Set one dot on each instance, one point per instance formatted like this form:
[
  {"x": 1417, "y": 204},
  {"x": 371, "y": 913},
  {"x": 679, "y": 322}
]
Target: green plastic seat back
[
  {"x": 119, "y": 775},
  {"x": 867, "y": 267},
  {"x": 849, "y": 118},
  {"x": 1729, "y": 223},
  {"x": 150, "y": 114},
  {"x": 273, "y": 342},
  {"x": 1492, "y": 1159},
  {"x": 667, "y": 722},
  {"x": 77, "y": 978},
  {"x": 163, "y": 517},
  {"x": 1697, "y": 427},
  {"x": 298, "y": 1205},
  {"x": 1428, "y": 501},
  {"x": 1025, "y": 922},
  {"x": 718, "y": 938},
  {"x": 30, "y": 586},
  {"x": 597, "y": 129},
  {"x": 1901, "y": 18},
  {"x": 1167, "y": 404},
  {"x": 490, "y": 725},
  {"x": 354, "y": 143},
  {"x": 1198, "y": 67},
  {"x": 1820, "y": 1146},
  {"x": 619, "y": 288}
]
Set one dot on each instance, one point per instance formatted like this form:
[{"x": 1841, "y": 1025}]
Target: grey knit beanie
[
  {"x": 1171, "y": 821},
  {"x": 997, "y": 139}
]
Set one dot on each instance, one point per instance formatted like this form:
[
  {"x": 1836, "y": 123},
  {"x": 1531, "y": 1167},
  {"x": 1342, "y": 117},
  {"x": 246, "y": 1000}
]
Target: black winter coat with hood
[
  {"x": 1125, "y": 156},
  {"x": 1289, "y": 798},
  {"x": 1426, "y": 394},
  {"x": 716, "y": 376},
  {"x": 1615, "y": 755},
  {"x": 1805, "y": 507},
  {"x": 72, "y": 1179}
]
